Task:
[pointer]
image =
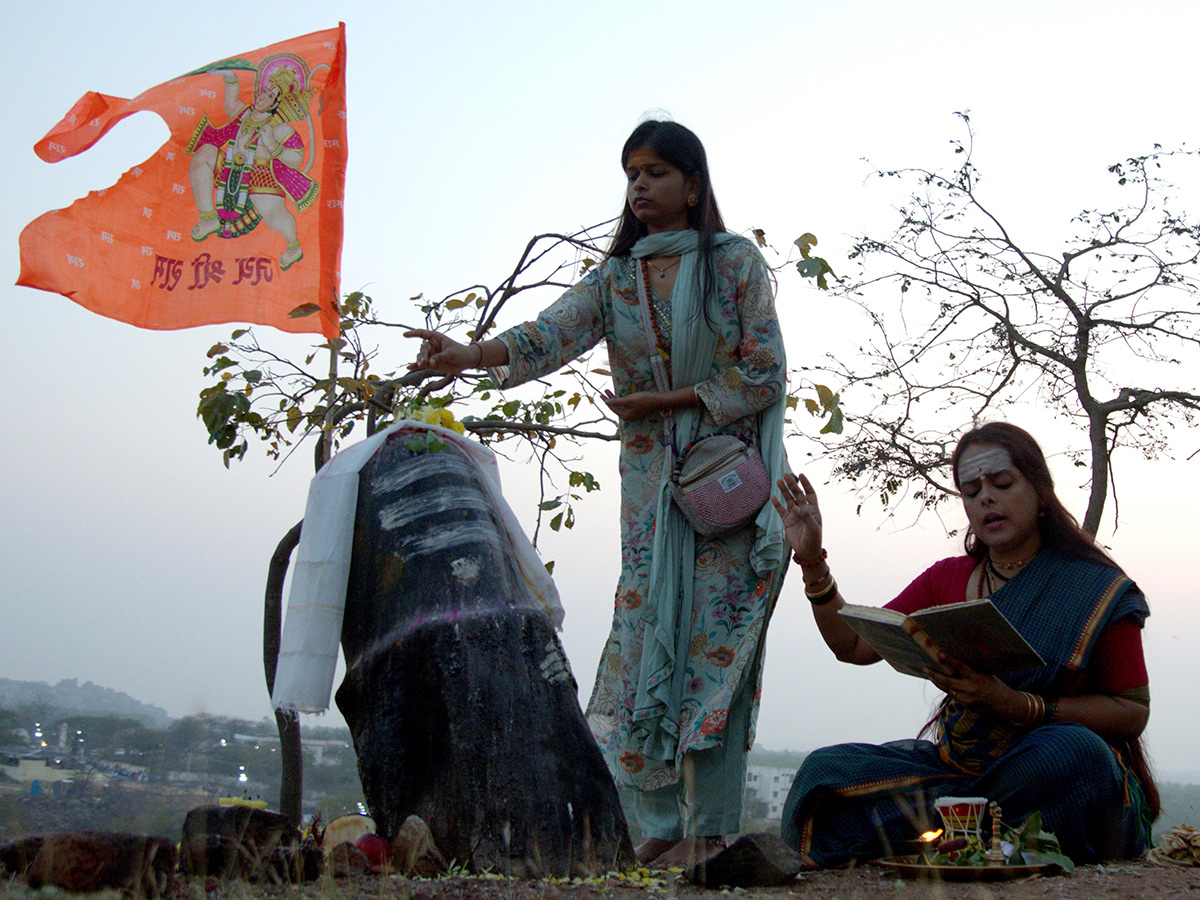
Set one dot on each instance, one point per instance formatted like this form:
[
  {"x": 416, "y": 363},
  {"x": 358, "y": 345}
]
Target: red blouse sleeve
[
  {"x": 1117, "y": 663},
  {"x": 943, "y": 582}
]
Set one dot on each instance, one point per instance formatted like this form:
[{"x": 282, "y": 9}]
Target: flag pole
[{"x": 330, "y": 393}]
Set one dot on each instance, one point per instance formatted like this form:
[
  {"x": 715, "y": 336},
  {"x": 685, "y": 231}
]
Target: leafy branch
[{"x": 258, "y": 395}]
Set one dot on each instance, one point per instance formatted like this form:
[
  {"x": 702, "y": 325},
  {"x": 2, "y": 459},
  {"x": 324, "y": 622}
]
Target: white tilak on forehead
[{"x": 985, "y": 462}]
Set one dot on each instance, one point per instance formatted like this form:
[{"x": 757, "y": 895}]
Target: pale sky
[{"x": 133, "y": 559}]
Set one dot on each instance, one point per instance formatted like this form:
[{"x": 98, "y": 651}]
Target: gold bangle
[
  {"x": 820, "y": 583},
  {"x": 1035, "y": 710},
  {"x": 823, "y": 596}
]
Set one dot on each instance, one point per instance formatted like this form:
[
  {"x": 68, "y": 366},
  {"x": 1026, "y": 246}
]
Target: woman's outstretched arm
[
  {"x": 446, "y": 355},
  {"x": 796, "y": 504}
]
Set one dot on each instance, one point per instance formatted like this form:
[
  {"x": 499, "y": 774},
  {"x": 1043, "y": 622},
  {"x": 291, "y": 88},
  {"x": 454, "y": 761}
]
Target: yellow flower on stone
[
  {"x": 435, "y": 415},
  {"x": 447, "y": 420}
]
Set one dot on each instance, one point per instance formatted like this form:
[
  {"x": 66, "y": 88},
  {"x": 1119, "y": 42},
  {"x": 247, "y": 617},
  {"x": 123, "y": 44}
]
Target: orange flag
[{"x": 236, "y": 218}]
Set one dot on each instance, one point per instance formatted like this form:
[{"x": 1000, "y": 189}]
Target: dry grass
[{"x": 1135, "y": 880}]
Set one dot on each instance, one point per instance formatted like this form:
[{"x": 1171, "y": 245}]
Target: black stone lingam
[{"x": 462, "y": 705}]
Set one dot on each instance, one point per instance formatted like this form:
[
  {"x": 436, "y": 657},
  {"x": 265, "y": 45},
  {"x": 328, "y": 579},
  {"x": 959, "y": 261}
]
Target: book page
[
  {"x": 977, "y": 633},
  {"x": 888, "y": 637}
]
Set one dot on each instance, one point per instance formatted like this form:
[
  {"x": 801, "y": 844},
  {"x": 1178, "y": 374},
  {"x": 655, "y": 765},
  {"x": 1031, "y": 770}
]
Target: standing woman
[
  {"x": 1062, "y": 739},
  {"x": 677, "y": 689}
]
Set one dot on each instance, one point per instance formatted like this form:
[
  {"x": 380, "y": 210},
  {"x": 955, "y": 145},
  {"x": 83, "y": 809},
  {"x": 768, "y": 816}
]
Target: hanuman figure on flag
[{"x": 242, "y": 171}]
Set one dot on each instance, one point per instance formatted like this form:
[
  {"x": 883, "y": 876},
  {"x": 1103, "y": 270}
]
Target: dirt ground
[
  {"x": 1132, "y": 880},
  {"x": 1119, "y": 882}
]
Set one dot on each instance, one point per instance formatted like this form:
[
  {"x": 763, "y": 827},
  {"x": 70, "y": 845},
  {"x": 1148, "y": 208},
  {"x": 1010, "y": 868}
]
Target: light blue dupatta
[{"x": 669, "y": 618}]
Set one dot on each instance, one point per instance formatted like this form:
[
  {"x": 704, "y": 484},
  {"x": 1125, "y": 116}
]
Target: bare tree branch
[{"x": 984, "y": 320}]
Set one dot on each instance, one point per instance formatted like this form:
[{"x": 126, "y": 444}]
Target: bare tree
[{"x": 1100, "y": 330}]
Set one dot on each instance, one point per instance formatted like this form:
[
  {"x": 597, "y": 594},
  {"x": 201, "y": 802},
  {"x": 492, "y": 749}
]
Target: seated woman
[{"x": 1062, "y": 739}]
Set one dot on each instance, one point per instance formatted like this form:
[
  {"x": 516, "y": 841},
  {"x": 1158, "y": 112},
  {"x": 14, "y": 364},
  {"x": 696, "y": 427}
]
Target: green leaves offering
[
  {"x": 1030, "y": 846},
  {"x": 428, "y": 442},
  {"x": 1030, "y": 838}
]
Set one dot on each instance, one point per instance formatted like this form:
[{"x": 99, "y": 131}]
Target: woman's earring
[{"x": 692, "y": 200}]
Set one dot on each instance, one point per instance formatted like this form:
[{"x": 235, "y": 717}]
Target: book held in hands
[{"x": 975, "y": 632}]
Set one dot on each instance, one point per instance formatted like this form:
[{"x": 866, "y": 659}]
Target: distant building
[
  {"x": 28, "y": 769},
  {"x": 769, "y": 785},
  {"x": 318, "y": 748}
]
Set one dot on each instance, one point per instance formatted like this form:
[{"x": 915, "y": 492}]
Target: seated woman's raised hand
[{"x": 796, "y": 503}]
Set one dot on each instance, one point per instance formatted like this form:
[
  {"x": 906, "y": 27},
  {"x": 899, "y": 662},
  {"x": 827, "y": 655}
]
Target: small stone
[
  {"x": 753, "y": 860},
  {"x": 87, "y": 861},
  {"x": 240, "y": 842},
  {"x": 16, "y": 855},
  {"x": 414, "y": 851},
  {"x": 344, "y": 860}
]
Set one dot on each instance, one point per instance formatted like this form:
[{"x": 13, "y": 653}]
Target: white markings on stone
[
  {"x": 465, "y": 570},
  {"x": 554, "y": 665}
]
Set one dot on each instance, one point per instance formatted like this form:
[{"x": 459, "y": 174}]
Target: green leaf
[
  {"x": 1061, "y": 860},
  {"x": 304, "y": 309},
  {"x": 809, "y": 267},
  {"x": 549, "y": 505},
  {"x": 556, "y": 522},
  {"x": 834, "y": 425},
  {"x": 805, "y": 243}
]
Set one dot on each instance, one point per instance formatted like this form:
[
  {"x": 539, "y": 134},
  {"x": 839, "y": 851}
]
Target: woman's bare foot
[
  {"x": 650, "y": 849},
  {"x": 689, "y": 852}
]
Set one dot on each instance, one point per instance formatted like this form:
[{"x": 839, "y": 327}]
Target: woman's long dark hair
[
  {"x": 679, "y": 146},
  {"x": 1060, "y": 530}
]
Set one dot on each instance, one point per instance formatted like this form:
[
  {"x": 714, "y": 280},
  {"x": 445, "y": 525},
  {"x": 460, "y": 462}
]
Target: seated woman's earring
[{"x": 692, "y": 200}]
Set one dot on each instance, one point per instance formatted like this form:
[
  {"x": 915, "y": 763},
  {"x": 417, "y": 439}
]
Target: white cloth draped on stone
[{"x": 312, "y": 628}]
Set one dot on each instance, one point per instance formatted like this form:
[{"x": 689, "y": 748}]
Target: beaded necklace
[{"x": 660, "y": 319}]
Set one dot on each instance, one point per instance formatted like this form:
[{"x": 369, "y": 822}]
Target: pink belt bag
[{"x": 720, "y": 484}]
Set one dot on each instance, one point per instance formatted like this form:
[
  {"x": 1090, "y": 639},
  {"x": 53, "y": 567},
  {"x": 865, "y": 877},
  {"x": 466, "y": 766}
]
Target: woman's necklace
[
  {"x": 990, "y": 578},
  {"x": 987, "y": 586},
  {"x": 663, "y": 270},
  {"x": 1009, "y": 567}
]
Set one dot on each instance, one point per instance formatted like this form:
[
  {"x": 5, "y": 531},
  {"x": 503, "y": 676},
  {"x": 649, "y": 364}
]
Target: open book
[{"x": 974, "y": 631}]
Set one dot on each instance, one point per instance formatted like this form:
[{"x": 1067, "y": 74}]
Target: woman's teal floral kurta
[{"x": 731, "y": 603}]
